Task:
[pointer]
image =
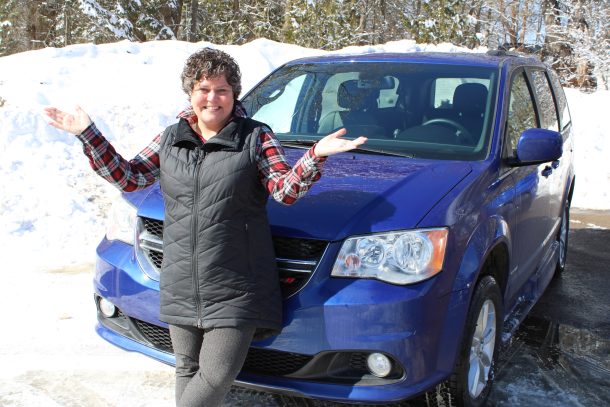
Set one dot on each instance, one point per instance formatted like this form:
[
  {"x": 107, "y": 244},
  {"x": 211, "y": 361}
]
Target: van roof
[{"x": 488, "y": 59}]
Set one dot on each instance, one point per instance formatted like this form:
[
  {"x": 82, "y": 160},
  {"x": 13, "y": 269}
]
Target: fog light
[
  {"x": 379, "y": 364},
  {"x": 107, "y": 308}
]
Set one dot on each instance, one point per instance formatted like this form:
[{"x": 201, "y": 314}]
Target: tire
[
  {"x": 473, "y": 377},
  {"x": 562, "y": 240}
]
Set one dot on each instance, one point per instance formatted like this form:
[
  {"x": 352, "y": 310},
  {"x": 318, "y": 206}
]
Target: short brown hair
[{"x": 210, "y": 63}]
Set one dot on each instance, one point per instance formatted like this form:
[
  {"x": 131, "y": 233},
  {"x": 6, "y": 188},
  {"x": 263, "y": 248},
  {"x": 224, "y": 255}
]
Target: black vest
[{"x": 219, "y": 265}]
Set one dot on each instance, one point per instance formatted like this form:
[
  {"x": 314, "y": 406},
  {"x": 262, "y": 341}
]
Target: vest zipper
[{"x": 195, "y": 236}]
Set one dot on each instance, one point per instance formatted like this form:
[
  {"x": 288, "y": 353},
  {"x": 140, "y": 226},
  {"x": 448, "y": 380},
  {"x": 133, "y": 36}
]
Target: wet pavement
[
  {"x": 561, "y": 353},
  {"x": 560, "y": 356}
]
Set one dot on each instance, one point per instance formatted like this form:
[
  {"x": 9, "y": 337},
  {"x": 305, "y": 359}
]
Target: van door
[
  {"x": 533, "y": 187},
  {"x": 547, "y": 114}
]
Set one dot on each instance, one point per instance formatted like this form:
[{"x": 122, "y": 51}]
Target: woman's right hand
[{"x": 72, "y": 123}]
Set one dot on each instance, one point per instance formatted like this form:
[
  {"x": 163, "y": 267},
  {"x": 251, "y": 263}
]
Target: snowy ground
[{"x": 52, "y": 207}]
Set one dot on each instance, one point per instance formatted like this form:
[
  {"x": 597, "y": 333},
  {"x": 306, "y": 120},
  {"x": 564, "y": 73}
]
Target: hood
[
  {"x": 363, "y": 193},
  {"x": 357, "y": 194}
]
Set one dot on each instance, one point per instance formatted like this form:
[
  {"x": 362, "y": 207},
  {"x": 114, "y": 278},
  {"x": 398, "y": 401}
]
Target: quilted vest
[{"x": 219, "y": 265}]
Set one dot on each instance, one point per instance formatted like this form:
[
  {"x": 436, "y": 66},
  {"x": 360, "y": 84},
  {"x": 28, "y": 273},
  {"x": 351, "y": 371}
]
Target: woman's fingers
[
  {"x": 51, "y": 112},
  {"x": 333, "y": 143},
  {"x": 72, "y": 123},
  {"x": 56, "y": 116},
  {"x": 359, "y": 141},
  {"x": 339, "y": 133}
]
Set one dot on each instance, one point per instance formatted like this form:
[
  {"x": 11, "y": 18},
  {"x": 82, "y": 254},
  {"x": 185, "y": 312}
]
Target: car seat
[
  {"x": 469, "y": 101},
  {"x": 358, "y": 104}
]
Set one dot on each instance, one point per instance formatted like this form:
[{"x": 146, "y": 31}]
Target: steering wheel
[{"x": 464, "y": 136}]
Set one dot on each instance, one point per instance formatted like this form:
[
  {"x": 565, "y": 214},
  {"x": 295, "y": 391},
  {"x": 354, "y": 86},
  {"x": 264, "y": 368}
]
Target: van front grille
[{"x": 296, "y": 258}]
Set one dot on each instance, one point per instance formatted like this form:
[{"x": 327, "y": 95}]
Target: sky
[{"x": 53, "y": 205}]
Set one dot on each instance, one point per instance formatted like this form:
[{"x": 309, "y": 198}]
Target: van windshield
[{"x": 411, "y": 109}]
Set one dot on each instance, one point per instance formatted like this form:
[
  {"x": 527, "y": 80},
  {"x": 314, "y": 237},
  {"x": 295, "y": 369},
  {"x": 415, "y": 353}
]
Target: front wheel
[{"x": 474, "y": 374}]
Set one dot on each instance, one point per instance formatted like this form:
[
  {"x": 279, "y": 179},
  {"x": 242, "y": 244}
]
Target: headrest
[
  {"x": 352, "y": 96},
  {"x": 470, "y": 98}
]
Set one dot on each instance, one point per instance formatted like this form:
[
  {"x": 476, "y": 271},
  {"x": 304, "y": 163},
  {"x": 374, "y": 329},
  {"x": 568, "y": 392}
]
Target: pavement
[{"x": 561, "y": 354}]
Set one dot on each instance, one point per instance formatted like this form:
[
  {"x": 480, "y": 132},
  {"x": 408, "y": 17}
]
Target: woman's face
[{"x": 212, "y": 100}]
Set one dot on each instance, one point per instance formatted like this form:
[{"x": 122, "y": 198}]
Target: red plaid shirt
[{"x": 285, "y": 183}]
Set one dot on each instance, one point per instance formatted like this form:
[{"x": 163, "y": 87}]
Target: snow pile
[
  {"x": 53, "y": 205},
  {"x": 592, "y": 144}
]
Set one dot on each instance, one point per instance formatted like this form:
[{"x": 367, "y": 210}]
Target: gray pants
[{"x": 207, "y": 362}]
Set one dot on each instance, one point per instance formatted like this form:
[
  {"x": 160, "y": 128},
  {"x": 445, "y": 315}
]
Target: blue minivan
[{"x": 414, "y": 258}]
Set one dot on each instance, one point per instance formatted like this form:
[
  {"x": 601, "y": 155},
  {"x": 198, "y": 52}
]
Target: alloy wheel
[{"x": 482, "y": 349}]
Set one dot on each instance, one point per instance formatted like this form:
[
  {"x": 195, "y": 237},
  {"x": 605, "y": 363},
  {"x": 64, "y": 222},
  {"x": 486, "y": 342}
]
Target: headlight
[
  {"x": 121, "y": 221},
  {"x": 402, "y": 257}
]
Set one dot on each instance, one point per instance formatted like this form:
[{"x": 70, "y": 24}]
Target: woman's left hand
[{"x": 333, "y": 144}]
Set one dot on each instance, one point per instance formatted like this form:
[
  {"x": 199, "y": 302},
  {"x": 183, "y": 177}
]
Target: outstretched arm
[
  {"x": 127, "y": 176},
  {"x": 287, "y": 184}
]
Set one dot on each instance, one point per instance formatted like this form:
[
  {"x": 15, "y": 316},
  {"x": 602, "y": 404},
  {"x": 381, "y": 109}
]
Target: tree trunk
[
  {"x": 172, "y": 16},
  {"x": 524, "y": 15},
  {"x": 193, "y": 27},
  {"x": 67, "y": 25}
]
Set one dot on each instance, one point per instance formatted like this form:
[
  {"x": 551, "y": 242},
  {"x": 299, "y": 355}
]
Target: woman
[{"x": 219, "y": 288}]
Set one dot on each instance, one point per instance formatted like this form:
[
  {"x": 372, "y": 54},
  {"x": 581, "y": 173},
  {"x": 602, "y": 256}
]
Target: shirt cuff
[
  {"x": 312, "y": 153},
  {"x": 89, "y": 135}
]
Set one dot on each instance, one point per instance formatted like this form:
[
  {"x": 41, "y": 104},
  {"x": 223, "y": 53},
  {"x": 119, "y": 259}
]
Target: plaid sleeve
[
  {"x": 128, "y": 176},
  {"x": 285, "y": 183}
]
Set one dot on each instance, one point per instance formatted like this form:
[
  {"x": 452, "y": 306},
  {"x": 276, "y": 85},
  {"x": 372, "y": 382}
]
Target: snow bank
[{"x": 592, "y": 144}]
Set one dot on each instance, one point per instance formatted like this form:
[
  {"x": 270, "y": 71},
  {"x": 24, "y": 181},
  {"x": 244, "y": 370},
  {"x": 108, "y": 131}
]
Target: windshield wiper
[
  {"x": 308, "y": 143},
  {"x": 298, "y": 143},
  {"x": 380, "y": 152}
]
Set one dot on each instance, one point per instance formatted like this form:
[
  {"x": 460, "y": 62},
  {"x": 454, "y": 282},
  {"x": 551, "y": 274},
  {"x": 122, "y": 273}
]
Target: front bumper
[{"x": 329, "y": 328}]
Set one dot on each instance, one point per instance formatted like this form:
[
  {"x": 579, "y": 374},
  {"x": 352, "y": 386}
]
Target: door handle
[
  {"x": 547, "y": 171},
  {"x": 555, "y": 164}
]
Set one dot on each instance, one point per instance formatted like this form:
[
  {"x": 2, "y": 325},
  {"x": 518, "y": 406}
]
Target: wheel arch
[{"x": 487, "y": 253}]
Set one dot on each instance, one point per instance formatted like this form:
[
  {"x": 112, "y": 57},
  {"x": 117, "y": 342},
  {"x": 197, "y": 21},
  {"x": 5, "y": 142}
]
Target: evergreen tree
[
  {"x": 437, "y": 21},
  {"x": 12, "y": 27}
]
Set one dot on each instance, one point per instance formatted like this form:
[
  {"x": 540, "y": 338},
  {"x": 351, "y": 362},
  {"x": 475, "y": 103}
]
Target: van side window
[
  {"x": 546, "y": 103},
  {"x": 521, "y": 113},
  {"x": 562, "y": 103}
]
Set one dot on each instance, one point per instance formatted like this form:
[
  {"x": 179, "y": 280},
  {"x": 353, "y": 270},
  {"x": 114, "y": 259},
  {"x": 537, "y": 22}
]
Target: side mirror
[{"x": 537, "y": 146}]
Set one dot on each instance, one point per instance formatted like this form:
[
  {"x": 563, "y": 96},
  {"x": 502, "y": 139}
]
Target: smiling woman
[
  {"x": 213, "y": 82},
  {"x": 212, "y": 100}
]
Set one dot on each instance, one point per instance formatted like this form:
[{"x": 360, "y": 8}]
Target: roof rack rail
[{"x": 504, "y": 53}]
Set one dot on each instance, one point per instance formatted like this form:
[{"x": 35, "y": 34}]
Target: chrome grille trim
[
  {"x": 294, "y": 273},
  {"x": 148, "y": 241},
  {"x": 296, "y": 266},
  {"x": 149, "y": 247}
]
